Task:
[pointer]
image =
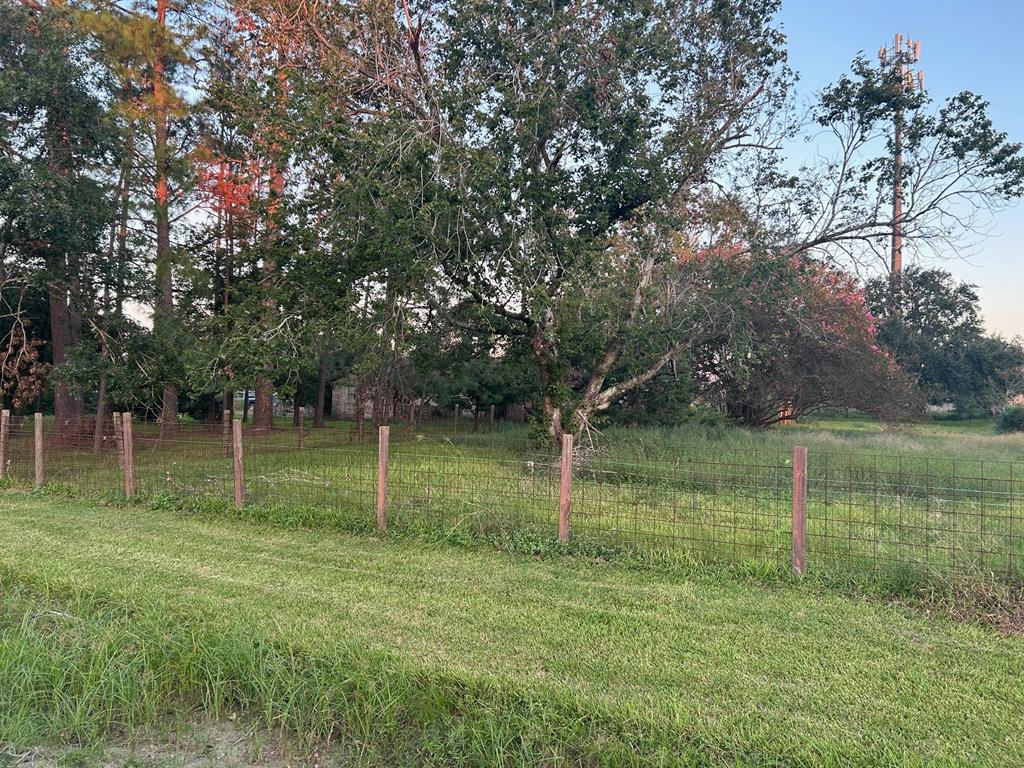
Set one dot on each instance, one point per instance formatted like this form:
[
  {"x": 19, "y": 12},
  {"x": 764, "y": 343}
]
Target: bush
[{"x": 1011, "y": 420}]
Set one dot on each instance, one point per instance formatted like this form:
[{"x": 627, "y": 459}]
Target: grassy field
[
  {"x": 908, "y": 502},
  {"x": 409, "y": 653}
]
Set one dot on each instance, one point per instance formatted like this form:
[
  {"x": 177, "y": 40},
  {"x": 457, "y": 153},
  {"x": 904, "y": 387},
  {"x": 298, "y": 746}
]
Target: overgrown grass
[{"x": 414, "y": 653}]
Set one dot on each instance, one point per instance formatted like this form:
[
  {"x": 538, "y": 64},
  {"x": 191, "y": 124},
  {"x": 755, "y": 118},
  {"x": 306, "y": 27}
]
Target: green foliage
[
  {"x": 950, "y": 151},
  {"x": 667, "y": 400},
  {"x": 936, "y": 335},
  {"x": 55, "y": 134},
  {"x": 468, "y": 207},
  {"x": 1011, "y": 420},
  {"x": 594, "y": 130}
]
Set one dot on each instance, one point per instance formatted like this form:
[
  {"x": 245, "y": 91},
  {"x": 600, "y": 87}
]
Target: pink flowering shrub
[{"x": 800, "y": 338}]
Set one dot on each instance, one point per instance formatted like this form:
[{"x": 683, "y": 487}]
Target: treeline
[{"x": 584, "y": 206}]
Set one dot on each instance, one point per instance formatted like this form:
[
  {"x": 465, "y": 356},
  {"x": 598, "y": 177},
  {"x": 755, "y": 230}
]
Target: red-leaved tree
[{"x": 800, "y": 339}]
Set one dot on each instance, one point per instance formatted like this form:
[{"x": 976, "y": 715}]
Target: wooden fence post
[
  {"x": 564, "y": 491},
  {"x": 119, "y": 439},
  {"x": 382, "y": 478},
  {"x": 5, "y": 433},
  {"x": 799, "y": 510},
  {"x": 239, "y": 466},
  {"x": 39, "y": 450},
  {"x": 225, "y": 432},
  {"x": 458, "y": 413},
  {"x": 490, "y": 418},
  {"x": 128, "y": 443},
  {"x": 302, "y": 427}
]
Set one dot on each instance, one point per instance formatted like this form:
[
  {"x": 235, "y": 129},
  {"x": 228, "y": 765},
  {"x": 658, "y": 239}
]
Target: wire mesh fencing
[
  {"x": 19, "y": 464},
  {"x": 837, "y": 511},
  {"x": 436, "y": 479},
  {"x": 940, "y": 513},
  {"x": 732, "y": 505},
  {"x": 190, "y": 461}
]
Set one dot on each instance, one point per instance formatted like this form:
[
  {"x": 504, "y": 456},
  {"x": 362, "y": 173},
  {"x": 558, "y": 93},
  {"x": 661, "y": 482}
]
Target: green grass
[
  {"x": 412, "y": 653},
  {"x": 969, "y": 440},
  {"x": 934, "y": 498}
]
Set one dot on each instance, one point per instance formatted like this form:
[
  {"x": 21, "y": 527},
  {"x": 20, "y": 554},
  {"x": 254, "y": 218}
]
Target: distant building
[
  {"x": 343, "y": 401},
  {"x": 343, "y": 406}
]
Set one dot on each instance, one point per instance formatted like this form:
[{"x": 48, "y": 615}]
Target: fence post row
[
  {"x": 128, "y": 447},
  {"x": 5, "y": 433},
  {"x": 799, "y": 555},
  {"x": 239, "y": 466},
  {"x": 382, "y": 478},
  {"x": 38, "y": 444},
  {"x": 302, "y": 427},
  {"x": 565, "y": 488},
  {"x": 123, "y": 433}
]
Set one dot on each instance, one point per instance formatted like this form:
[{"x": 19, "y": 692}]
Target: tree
[
  {"x": 935, "y": 333},
  {"x": 160, "y": 108},
  {"x": 55, "y": 140},
  {"x": 956, "y": 169},
  {"x": 801, "y": 339},
  {"x": 148, "y": 52},
  {"x": 571, "y": 144},
  {"x": 429, "y": 195}
]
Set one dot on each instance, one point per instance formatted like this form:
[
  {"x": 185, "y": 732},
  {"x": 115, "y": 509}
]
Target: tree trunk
[
  {"x": 164, "y": 310},
  {"x": 542, "y": 356},
  {"x": 124, "y": 192},
  {"x": 360, "y": 409},
  {"x": 263, "y": 411},
  {"x": 101, "y": 414},
  {"x": 263, "y": 408},
  {"x": 321, "y": 391},
  {"x": 60, "y": 340},
  {"x": 169, "y": 411},
  {"x": 296, "y": 421},
  {"x": 67, "y": 406}
]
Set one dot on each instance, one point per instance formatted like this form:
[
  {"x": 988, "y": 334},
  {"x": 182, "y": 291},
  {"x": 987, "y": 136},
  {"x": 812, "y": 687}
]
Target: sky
[{"x": 975, "y": 45}]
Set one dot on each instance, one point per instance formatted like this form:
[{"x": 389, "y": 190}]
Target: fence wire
[{"x": 863, "y": 511}]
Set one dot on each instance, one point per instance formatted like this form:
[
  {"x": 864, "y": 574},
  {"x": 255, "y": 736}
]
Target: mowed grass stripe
[{"x": 774, "y": 675}]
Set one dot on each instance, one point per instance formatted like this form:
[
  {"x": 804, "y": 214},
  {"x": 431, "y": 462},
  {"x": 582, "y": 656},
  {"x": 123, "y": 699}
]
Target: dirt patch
[
  {"x": 974, "y": 601},
  {"x": 209, "y": 744}
]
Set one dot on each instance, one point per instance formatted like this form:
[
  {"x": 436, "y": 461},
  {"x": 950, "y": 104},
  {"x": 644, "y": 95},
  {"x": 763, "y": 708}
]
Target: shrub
[{"x": 1011, "y": 420}]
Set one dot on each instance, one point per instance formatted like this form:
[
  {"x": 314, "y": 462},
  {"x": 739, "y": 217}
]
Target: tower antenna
[{"x": 901, "y": 58}]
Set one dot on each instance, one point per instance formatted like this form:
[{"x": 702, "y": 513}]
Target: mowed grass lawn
[{"x": 412, "y": 653}]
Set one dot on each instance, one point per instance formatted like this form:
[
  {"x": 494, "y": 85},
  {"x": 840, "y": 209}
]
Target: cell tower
[{"x": 902, "y": 57}]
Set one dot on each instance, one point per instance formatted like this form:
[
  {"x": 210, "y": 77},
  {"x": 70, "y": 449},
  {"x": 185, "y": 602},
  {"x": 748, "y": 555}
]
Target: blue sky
[{"x": 975, "y": 45}]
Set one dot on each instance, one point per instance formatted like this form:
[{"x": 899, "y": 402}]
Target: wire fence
[{"x": 852, "y": 512}]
